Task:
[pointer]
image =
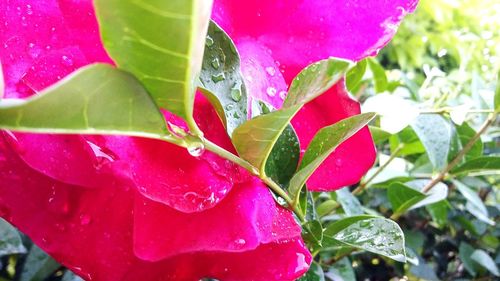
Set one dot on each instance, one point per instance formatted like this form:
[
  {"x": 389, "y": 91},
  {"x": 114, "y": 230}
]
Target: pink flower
[{"x": 123, "y": 208}]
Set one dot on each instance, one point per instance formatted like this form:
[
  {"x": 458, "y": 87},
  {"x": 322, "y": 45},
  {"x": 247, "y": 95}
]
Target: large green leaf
[
  {"x": 485, "y": 163},
  {"x": 10, "y": 240},
  {"x": 435, "y": 133},
  {"x": 255, "y": 139},
  {"x": 221, "y": 78},
  {"x": 38, "y": 265},
  {"x": 373, "y": 234},
  {"x": 322, "y": 145},
  {"x": 97, "y": 99},
  {"x": 161, "y": 43}
]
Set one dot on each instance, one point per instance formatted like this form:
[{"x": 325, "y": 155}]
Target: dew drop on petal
[
  {"x": 271, "y": 91},
  {"x": 218, "y": 77},
  {"x": 270, "y": 70},
  {"x": 196, "y": 148}
]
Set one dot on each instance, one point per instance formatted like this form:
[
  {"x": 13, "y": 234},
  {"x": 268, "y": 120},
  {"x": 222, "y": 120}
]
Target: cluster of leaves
[{"x": 434, "y": 176}]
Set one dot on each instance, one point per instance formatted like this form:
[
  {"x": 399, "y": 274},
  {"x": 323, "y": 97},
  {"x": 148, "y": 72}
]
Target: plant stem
[
  {"x": 363, "y": 185},
  {"x": 439, "y": 177},
  {"x": 210, "y": 146},
  {"x": 448, "y": 109}
]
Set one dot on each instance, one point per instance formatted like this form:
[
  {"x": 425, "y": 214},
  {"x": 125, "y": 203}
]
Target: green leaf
[
  {"x": 355, "y": 76},
  {"x": 474, "y": 203},
  {"x": 435, "y": 134},
  {"x": 436, "y": 194},
  {"x": 229, "y": 95},
  {"x": 482, "y": 258},
  {"x": 322, "y": 145},
  {"x": 38, "y": 265},
  {"x": 377, "y": 235},
  {"x": 403, "y": 197},
  {"x": 97, "y": 99},
  {"x": 439, "y": 212},
  {"x": 341, "y": 224},
  {"x": 255, "y": 139},
  {"x": 465, "y": 134},
  {"x": 379, "y": 77},
  {"x": 10, "y": 240},
  {"x": 379, "y": 135},
  {"x": 315, "y": 273},
  {"x": 312, "y": 233},
  {"x": 342, "y": 270},
  {"x": 465, "y": 252},
  {"x": 485, "y": 163},
  {"x": 161, "y": 43},
  {"x": 350, "y": 204},
  {"x": 284, "y": 158}
]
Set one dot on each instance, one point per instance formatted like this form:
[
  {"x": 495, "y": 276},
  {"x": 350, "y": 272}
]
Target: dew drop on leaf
[
  {"x": 196, "y": 148},
  {"x": 218, "y": 77}
]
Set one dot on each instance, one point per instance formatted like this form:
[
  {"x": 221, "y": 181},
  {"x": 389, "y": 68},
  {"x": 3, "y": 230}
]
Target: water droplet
[
  {"x": 229, "y": 107},
  {"x": 240, "y": 241},
  {"x": 215, "y": 63},
  {"x": 271, "y": 91},
  {"x": 209, "y": 42},
  {"x": 67, "y": 61},
  {"x": 196, "y": 148},
  {"x": 281, "y": 201},
  {"x": 270, "y": 70},
  {"x": 218, "y": 77},
  {"x": 236, "y": 93},
  {"x": 282, "y": 94}
]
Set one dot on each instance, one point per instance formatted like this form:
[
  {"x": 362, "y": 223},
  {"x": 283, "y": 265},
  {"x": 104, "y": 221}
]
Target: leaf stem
[
  {"x": 364, "y": 184},
  {"x": 210, "y": 146},
  {"x": 439, "y": 177}
]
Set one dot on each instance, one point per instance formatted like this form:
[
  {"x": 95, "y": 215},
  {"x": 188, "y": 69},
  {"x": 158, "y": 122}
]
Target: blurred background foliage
[{"x": 434, "y": 88}]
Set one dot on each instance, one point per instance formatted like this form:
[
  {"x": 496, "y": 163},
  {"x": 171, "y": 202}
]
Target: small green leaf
[
  {"x": 342, "y": 270},
  {"x": 315, "y": 273},
  {"x": 379, "y": 135},
  {"x": 312, "y": 233},
  {"x": 439, "y": 212},
  {"x": 350, "y": 204},
  {"x": 379, "y": 77},
  {"x": 160, "y": 42},
  {"x": 255, "y": 139},
  {"x": 228, "y": 95},
  {"x": 403, "y": 197},
  {"x": 465, "y": 252},
  {"x": 465, "y": 134},
  {"x": 474, "y": 203},
  {"x": 38, "y": 265},
  {"x": 435, "y": 134},
  {"x": 483, "y": 259},
  {"x": 284, "y": 158},
  {"x": 436, "y": 194},
  {"x": 322, "y": 145},
  {"x": 377, "y": 235},
  {"x": 97, "y": 99},
  {"x": 355, "y": 76},
  {"x": 485, "y": 163},
  {"x": 10, "y": 240}
]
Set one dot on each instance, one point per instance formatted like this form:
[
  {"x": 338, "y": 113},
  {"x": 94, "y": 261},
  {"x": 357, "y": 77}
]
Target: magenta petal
[
  {"x": 246, "y": 218},
  {"x": 350, "y": 161},
  {"x": 40, "y": 47},
  {"x": 299, "y": 32},
  {"x": 76, "y": 225}
]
